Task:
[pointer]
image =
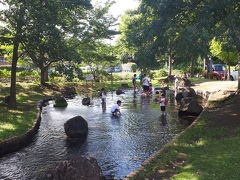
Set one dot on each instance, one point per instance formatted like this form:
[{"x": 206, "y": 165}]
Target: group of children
[{"x": 115, "y": 110}]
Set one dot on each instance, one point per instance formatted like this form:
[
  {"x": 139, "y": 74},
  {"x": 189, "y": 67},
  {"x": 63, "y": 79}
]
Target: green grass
[
  {"x": 202, "y": 152},
  {"x": 17, "y": 122}
]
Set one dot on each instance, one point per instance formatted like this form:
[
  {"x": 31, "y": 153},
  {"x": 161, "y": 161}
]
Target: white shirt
[
  {"x": 104, "y": 95},
  {"x": 114, "y": 107},
  {"x": 162, "y": 101},
  {"x": 145, "y": 81}
]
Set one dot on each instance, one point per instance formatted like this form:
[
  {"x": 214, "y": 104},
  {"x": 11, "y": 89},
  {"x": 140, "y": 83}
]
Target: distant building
[{"x": 127, "y": 67}]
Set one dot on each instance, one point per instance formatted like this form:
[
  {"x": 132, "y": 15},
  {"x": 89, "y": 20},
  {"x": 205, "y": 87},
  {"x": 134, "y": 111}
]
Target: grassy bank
[
  {"x": 208, "y": 150},
  {"x": 16, "y": 122}
]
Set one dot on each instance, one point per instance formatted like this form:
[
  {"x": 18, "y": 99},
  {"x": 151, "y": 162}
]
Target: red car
[{"x": 219, "y": 70}]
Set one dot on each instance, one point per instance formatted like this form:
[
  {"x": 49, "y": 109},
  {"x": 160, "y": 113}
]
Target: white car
[{"x": 234, "y": 74}]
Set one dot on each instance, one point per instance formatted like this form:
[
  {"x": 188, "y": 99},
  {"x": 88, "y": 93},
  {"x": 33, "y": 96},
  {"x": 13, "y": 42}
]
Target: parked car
[
  {"x": 117, "y": 69},
  {"x": 220, "y": 70},
  {"x": 234, "y": 73}
]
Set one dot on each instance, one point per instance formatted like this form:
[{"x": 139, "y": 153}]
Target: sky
[
  {"x": 118, "y": 9},
  {"x": 120, "y": 6}
]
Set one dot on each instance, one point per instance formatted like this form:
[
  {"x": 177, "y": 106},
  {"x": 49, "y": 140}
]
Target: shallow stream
[{"x": 120, "y": 144}]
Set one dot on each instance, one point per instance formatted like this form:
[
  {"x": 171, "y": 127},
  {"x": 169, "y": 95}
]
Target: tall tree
[
  {"x": 52, "y": 23},
  {"x": 14, "y": 19}
]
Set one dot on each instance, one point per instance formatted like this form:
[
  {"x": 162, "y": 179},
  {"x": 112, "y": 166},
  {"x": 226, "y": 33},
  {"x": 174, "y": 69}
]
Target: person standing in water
[
  {"x": 163, "y": 102},
  {"x": 145, "y": 83},
  {"x": 103, "y": 95},
  {"x": 134, "y": 82}
]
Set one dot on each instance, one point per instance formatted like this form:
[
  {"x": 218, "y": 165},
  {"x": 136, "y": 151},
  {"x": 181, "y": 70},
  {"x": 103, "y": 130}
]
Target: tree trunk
[
  {"x": 44, "y": 75},
  {"x": 228, "y": 73},
  {"x": 169, "y": 66},
  {"x": 192, "y": 68},
  {"x": 12, "y": 101},
  {"x": 238, "y": 72}
]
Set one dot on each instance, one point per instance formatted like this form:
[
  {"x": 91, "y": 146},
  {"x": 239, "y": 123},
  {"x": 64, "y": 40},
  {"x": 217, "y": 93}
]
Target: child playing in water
[
  {"x": 116, "y": 108},
  {"x": 163, "y": 102},
  {"x": 103, "y": 95},
  {"x": 134, "y": 82}
]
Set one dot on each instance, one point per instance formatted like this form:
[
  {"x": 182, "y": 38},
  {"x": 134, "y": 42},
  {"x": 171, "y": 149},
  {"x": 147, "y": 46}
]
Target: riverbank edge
[
  {"x": 153, "y": 156},
  {"x": 16, "y": 143}
]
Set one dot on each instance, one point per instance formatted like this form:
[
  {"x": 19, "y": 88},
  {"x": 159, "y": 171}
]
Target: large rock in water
[
  {"x": 189, "y": 106},
  {"x": 119, "y": 91},
  {"x": 60, "y": 102},
  {"x": 86, "y": 101},
  {"x": 76, "y": 127},
  {"x": 80, "y": 168},
  {"x": 189, "y": 92},
  {"x": 69, "y": 92},
  {"x": 179, "y": 97}
]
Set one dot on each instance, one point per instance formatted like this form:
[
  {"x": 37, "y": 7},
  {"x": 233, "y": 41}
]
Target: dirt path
[{"x": 216, "y": 86}]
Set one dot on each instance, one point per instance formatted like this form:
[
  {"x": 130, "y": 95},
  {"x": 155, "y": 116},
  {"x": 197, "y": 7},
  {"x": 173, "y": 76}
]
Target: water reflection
[
  {"x": 163, "y": 120},
  {"x": 120, "y": 144}
]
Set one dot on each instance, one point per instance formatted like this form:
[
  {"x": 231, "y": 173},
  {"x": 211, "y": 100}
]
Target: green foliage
[
  {"x": 28, "y": 74},
  {"x": 5, "y": 73},
  {"x": 228, "y": 56},
  {"x": 69, "y": 70},
  {"x": 134, "y": 68},
  {"x": 160, "y": 73}
]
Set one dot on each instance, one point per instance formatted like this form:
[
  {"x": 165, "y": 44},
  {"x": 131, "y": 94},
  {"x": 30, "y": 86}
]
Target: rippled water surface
[{"x": 120, "y": 145}]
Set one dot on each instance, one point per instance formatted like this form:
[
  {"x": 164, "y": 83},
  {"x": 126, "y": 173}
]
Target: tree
[
  {"x": 47, "y": 38},
  {"x": 225, "y": 53},
  {"x": 14, "y": 20}
]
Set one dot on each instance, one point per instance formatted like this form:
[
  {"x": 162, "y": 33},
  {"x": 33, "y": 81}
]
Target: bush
[
  {"x": 160, "y": 73},
  {"x": 134, "y": 68}
]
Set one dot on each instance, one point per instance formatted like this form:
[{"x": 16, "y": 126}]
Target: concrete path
[
  {"x": 214, "y": 86},
  {"x": 218, "y": 89}
]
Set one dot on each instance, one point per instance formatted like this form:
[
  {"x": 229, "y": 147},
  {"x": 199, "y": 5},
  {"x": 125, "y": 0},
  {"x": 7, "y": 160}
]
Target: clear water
[{"x": 120, "y": 144}]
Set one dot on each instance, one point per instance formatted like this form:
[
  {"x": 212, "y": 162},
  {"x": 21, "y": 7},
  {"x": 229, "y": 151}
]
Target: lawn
[{"x": 15, "y": 122}]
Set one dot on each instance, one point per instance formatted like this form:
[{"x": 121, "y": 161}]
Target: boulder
[
  {"x": 60, "y": 102},
  {"x": 179, "y": 97},
  {"x": 86, "y": 101},
  {"x": 81, "y": 168},
  {"x": 69, "y": 92},
  {"x": 189, "y": 106},
  {"x": 124, "y": 86},
  {"x": 170, "y": 78},
  {"x": 189, "y": 92},
  {"x": 119, "y": 91},
  {"x": 76, "y": 127},
  {"x": 185, "y": 83}
]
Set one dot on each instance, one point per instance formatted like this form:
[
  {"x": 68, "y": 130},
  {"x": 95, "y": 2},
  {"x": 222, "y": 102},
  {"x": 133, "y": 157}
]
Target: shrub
[{"x": 160, "y": 73}]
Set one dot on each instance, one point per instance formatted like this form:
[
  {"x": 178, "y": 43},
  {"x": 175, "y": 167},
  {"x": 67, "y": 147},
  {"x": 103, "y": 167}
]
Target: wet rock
[
  {"x": 76, "y": 127},
  {"x": 189, "y": 106},
  {"x": 69, "y": 92},
  {"x": 60, "y": 102},
  {"x": 119, "y": 91},
  {"x": 81, "y": 168},
  {"x": 86, "y": 101},
  {"x": 189, "y": 92},
  {"x": 179, "y": 97},
  {"x": 185, "y": 83}
]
